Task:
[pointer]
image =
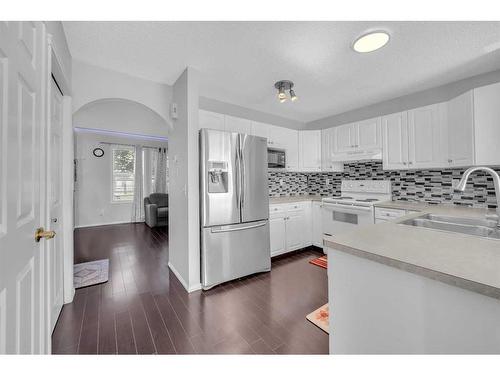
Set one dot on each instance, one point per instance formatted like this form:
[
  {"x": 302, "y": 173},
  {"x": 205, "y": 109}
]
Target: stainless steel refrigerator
[{"x": 234, "y": 206}]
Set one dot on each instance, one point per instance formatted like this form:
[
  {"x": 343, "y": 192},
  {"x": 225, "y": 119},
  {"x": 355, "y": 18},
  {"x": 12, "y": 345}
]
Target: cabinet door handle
[{"x": 450, "y": 161}]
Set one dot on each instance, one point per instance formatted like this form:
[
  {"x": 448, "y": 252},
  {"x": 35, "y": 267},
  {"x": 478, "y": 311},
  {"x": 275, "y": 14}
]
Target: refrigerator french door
[{"x": 234, "y": 206}]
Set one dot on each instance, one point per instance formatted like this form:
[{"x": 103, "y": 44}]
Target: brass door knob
[{"x": 42, "y": 233}]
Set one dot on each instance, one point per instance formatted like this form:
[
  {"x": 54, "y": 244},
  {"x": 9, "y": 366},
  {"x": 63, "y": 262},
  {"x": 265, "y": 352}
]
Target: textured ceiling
[{"x": 240, "y": 61}]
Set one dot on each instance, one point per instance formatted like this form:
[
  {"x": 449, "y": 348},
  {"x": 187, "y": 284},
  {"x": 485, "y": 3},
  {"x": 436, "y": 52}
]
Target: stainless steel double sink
[{"x": 465, "y": 225}]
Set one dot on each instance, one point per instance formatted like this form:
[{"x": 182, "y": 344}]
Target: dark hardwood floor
[{"x": 144, "y": 309}]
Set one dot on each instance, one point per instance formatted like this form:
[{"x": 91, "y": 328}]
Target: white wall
[
  {"x": 184, "y": 225},
  {"x": 91, "y": 83},
  {"x": 120, "y": 115},
  {"x": 93, "y": 204},
  {"x": 214, "y": 105},
  {"x": 107, "y": 100},
  {"x": 403, "y": 103}
]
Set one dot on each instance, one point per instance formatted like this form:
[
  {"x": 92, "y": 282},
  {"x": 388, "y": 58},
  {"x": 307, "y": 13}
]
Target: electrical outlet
[
  {"x": 454, "y": 183},
  {"x": 282, "y": 182},
  {"x": 328, "y": 182}
]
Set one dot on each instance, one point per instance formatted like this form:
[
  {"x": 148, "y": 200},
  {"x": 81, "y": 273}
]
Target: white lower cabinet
[
  {"x": 389, "y": 214},
  {"x": 277, "y": 234},
  {"x": 316, "y": 221},
  {"x": 294, "y": 230},
  {"x": 293, "y": 226}
]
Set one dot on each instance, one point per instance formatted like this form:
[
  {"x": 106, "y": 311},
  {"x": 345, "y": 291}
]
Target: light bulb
[
  {"x": 371, "y": 42},
  {"x": 282, "y": 94}
]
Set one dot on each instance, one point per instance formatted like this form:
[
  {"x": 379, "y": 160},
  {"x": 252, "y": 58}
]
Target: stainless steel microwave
[{"x": 276, "y": 158}]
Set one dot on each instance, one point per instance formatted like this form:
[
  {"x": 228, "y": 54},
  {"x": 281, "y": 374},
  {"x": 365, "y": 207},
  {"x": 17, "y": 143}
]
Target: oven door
[{"x": 339, "y": 218}]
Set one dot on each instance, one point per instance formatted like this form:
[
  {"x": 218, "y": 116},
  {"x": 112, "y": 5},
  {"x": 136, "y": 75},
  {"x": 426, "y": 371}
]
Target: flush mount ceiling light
[
  {"x": 282, "y": 87},
  {"x": 371, "y": 42}
]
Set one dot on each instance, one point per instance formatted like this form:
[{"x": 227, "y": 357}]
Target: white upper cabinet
[
  {"x": 327, "y": 150},
  {"x": 460, "y": 131},
  {"x": 276, "y": 136},
  {"x": 310, "y": 150},
  {"x": 395, "y": 141},
  {"x": 211, "y": 120},
  {"x": 291, "y": 145},
  {"x": 414, "y": 138},
  {"x": 426, "y": 127},
  {"x": 361, "y": 136},
  {"x": 281, "y": 138},
  {"x": 327, "y": 145},
  {"x": 260, "y": 129},
  {"x": 368, "y": 134},
  {"x": 345, "y": 138},
  {"x": 238, "y": 125},
  {"x": 487, "y": 124}
]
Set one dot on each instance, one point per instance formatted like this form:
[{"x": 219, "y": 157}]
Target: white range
[{"x": 354, "y": 206}]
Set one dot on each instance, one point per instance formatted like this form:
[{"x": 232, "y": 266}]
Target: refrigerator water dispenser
[{"x": 217, "y": 177}]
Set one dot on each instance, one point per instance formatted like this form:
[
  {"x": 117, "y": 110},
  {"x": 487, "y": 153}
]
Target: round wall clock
[{"x": 98, "y": 152}]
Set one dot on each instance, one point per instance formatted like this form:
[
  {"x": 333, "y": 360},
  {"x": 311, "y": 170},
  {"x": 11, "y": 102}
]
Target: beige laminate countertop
[
  {"x": 293, "y": 199},
  {"x": 443, "y": 209},
  {"x": 461, "y": 260}
]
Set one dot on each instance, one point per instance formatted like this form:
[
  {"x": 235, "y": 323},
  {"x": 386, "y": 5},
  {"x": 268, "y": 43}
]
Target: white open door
[
  {"x": 23, "y": 77},
  {"x": 55, "y": 253}
]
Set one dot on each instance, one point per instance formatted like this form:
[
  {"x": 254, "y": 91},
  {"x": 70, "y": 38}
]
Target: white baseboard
[
  {"x": 182, "y": 281},
  {"x": 194, "y": 288},
  {"x": 70, "y": 298},
  {"x": 104, "y": 224}
]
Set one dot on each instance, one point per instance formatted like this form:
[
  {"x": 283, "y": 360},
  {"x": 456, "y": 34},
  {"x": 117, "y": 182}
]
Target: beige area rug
[
  {"x": 320, "y": 318},
  {"x": 90, "y": 273}
]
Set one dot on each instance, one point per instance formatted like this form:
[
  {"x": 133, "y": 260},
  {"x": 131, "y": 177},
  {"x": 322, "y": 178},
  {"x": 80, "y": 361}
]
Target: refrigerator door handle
[
  {"x": 238, "y": 177},
  {"x": 242, "y": 170},
  {"x": 225, "y": 229}
]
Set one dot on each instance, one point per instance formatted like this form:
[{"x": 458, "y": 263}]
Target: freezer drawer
[{"x": 232, "y": 251}]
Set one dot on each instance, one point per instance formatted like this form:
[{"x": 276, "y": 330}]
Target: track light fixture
[{"x": 282, "y": 87}]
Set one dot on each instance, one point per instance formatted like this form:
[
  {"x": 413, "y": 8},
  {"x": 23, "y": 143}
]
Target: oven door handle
[{"x": 345, "y": 208}]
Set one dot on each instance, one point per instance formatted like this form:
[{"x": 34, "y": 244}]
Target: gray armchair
[{"x": 156, "y": 210}]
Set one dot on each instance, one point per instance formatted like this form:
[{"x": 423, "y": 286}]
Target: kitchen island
[{"x": 396, "y": 288}]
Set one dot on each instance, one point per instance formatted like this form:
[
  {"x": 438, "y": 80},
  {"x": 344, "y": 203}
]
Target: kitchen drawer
[
  {"x": 299, "y": 206},
  {"x": 388, "y": 213},
  {"x": 277, "y": 209}
]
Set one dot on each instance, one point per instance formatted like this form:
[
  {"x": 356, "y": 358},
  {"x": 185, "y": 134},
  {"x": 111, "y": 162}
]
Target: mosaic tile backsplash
[{"x": 433, "y": 186}]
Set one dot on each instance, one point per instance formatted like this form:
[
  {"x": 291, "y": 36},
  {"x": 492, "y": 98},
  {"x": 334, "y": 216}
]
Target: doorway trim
[{"x": 55, "y": 72}]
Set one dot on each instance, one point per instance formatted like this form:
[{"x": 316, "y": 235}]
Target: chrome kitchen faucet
[{"x": 496, "y": 181}]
